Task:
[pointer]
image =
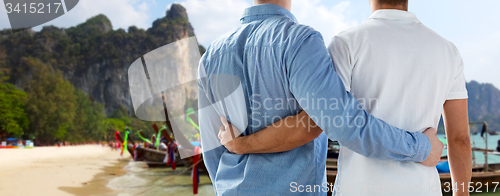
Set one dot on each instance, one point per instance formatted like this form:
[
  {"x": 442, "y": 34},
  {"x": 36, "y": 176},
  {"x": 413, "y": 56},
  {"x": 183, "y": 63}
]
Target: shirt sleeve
[
  {"x": 209, "y": 129},
  {"x": 339, "y": 52},
  {"x": 312, "y": 80},
  {"x": 458, "y": 89}
]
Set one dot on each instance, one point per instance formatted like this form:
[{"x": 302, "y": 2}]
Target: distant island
[{"x": 484, "y": 104}]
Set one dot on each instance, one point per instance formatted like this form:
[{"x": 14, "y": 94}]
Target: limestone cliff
[{"x": 93, "y": 56}]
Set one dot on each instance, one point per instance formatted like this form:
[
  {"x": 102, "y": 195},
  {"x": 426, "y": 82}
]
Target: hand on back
[{"x": 436, "y": 148}]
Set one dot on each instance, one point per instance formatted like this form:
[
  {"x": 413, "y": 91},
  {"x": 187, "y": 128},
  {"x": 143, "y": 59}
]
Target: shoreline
[
  {"x": 66, "y": 170},
  {"x": 98, "y": 185}
]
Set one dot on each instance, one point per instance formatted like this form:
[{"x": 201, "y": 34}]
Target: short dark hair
[{"x": 393, "y": 2}]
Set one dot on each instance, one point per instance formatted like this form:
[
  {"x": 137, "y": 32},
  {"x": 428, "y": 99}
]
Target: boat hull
[{"x": 155, "y": 158}]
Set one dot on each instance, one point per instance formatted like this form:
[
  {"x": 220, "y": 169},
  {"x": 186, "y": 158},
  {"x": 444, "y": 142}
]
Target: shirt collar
[
  {"x": 390, "y": 14},
  {"x": 264, "y": 11}
]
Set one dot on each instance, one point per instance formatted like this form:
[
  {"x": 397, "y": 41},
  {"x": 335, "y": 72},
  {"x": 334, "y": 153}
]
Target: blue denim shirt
[{"x": 284, "y": 68}]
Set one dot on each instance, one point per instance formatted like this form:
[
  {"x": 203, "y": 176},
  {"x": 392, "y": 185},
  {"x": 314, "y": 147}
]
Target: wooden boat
[
  {"x": 130, "y": 147},
  {"x": 155, "y": 158},
  {"x": 152, "y": 157},
  {"x": 333, "y": 150}
]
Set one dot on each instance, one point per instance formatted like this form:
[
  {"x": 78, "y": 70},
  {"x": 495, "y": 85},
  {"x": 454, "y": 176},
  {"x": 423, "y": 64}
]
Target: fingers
[
  {"x": 221, "y": 129},
  {"x": 224, "y": 135},
  {"x": 223, "y": 119},
  {"x": 436, "y": 148},
  {"x": 227, "y": 126},
  {"x": 430, "y": 130},
  {"x": 224, "y": 139}
]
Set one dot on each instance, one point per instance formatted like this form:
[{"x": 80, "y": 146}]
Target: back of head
[
  {"x": 392, "y": 2},
  {"x": 389, "y": 4},
  {"x": 287, "y": 4},
  {"x": 268, "y": 1}
]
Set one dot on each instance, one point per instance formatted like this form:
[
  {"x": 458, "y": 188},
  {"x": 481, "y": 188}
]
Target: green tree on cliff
[
  {"x": 13, "y": 118},
  {"x": 51, "y": 102},
  {"x": 89, "y": 121}
]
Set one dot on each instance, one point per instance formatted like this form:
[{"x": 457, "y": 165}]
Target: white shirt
[{"x": 402, "y": 72}]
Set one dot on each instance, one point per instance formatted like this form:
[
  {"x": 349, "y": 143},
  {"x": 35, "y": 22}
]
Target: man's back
[
  {"x": 403, "y": 72},
  {"x": 257, "y": 54}
]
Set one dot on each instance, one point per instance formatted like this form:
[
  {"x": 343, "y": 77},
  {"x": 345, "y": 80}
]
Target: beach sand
[{"x": 58, "y": 171}]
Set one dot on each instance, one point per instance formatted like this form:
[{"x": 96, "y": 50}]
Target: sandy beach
[{"x": 55, "y": 170}]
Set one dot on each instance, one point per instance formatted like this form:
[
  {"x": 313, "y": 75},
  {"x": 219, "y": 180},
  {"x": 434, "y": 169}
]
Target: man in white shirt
[
  {"x": 382, "y": 62},
  {"x": 384, "y": 59}
]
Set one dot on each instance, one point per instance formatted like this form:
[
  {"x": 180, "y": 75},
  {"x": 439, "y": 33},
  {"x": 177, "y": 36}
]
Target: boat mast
[
  {"x": 485, "y": 128},
  {"x": 484, "y": 135},
  {"x": 181, "y": 139}
]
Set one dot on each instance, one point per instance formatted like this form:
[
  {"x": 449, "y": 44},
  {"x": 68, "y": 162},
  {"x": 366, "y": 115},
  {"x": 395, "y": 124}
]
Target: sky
[{"x": 471, "y": 25}]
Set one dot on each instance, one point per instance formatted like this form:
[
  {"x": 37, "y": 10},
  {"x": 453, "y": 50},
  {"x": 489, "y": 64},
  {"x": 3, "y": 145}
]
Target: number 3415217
[
  {"x": 475, "y": 187},
  {"x": 32, "y": 8}
]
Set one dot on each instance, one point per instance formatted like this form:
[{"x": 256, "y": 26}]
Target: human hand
[
  {"x": 436, "y": 148},
  {"x": 229, "y": 137}
]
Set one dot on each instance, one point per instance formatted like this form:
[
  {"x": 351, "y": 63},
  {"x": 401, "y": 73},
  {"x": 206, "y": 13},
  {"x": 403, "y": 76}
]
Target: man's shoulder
[
  {"x": 366, "y": 25},
  {"x": 223, "y": 41},
  {"x": 272, "y": 32},
  {"x": 358, "y": 31},
  {"x": 295, "y": 33},
  {"x": 294, "y": 29},
  {"x": 302, "y": 32},
  {"x": 369, "y": 27},
  {"x": 285, "y": 27},
  {"x": 436, "y": 38}
]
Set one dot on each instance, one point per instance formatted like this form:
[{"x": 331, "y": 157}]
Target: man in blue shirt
[{"x": 282, "y": 69}]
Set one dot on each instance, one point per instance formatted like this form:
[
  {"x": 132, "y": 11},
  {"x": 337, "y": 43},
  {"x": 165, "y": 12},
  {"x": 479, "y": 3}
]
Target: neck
[
  {"x": 287, "y": 4},
  {"x": 385, "y": 6}
]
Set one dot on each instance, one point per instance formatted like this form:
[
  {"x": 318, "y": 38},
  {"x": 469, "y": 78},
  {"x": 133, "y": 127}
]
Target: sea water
[
  {"x": 479, "y": 142},
  {"x": 141, "y": 180}
]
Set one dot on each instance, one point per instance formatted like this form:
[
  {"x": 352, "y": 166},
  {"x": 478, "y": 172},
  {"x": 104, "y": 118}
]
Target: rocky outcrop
[
  {"x": 93, "y": 56},
  {"x": 177, "y": 11},
  {"x": 484, "y": 104}
]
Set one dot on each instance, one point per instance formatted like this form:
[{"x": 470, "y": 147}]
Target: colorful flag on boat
[{"x": 195, "y": 176}]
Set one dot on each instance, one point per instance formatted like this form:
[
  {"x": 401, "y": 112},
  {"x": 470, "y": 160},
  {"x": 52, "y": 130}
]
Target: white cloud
[
  {"x": 4, "y": 19},
  {"x": 121, "y": 13},
  {"x": 328, "y": 20},
  {"x": 213, "y": 18},
  {"x": 143, "y": 7}
]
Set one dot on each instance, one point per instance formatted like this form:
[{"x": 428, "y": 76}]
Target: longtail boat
[
  {"x": 180, "y": 142},
  {"x": 129, "y": 147},
  {"x": 154, "y": 156}
]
